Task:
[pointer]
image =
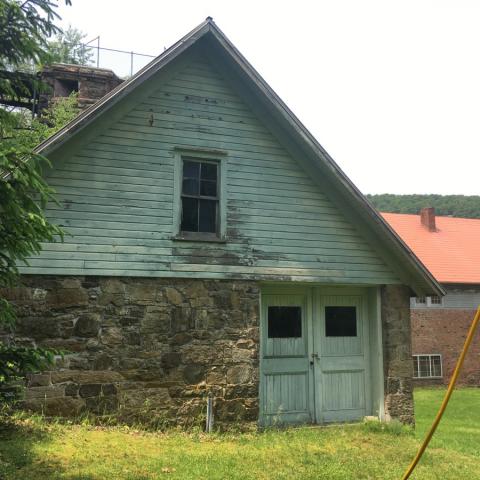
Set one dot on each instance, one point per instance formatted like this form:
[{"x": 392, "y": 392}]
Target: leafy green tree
[
  {"x": 25, "y": 27},
  {"x": 465, "y": 206},
  {"x": 68, "y": 47}
]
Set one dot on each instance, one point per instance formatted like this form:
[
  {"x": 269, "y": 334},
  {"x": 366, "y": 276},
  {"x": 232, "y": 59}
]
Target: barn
[{"x": 214, "y": 249}]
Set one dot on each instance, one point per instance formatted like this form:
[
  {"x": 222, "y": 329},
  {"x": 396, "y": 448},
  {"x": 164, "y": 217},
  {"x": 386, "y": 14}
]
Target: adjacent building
[{"x": 450, "y": 249}]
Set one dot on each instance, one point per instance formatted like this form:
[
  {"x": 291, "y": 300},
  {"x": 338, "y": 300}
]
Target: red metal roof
[{"x": 451, "y": 253}]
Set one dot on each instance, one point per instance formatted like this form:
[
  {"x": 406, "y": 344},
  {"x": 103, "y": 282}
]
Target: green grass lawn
[{"x": 37, "y": 450}]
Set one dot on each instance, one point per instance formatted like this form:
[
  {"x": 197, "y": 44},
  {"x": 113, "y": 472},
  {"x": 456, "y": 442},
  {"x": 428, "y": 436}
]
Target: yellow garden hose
[{"x": 451, "y": 387}]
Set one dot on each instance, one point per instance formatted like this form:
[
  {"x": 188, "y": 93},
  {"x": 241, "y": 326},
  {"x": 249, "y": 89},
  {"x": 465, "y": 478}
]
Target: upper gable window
[{"x": 200, "y": 196}]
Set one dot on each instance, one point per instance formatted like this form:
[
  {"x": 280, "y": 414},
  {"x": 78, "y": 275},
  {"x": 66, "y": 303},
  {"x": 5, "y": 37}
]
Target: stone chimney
[{"x": 427, "y": 217}]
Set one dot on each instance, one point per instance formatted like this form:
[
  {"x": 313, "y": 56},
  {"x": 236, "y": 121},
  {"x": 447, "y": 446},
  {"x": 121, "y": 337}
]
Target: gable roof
[
  {"x": 287, "y": 125},
  {"x": 451, "y": 252}
]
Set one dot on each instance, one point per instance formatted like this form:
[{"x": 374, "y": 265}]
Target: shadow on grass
[{"x": 18, "y": 456}]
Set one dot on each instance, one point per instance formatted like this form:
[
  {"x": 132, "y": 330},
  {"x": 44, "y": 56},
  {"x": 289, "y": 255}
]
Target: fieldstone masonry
[
  {"x": 156, "y": 346},
  {"x": 397, "y": 352}
]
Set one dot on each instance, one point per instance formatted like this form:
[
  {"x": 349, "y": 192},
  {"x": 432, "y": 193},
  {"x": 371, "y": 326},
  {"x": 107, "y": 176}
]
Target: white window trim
[
  {"x": 218, "y": 156},
  {"x": 429, "y": 355},
  {"x": 428, "y": 303}
]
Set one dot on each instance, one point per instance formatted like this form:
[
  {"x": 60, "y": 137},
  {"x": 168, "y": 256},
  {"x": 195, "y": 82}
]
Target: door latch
[{"x": 314, "y": 356}]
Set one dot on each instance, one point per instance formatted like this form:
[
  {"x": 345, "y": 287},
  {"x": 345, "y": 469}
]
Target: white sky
[{"x": 391, "y": 89}]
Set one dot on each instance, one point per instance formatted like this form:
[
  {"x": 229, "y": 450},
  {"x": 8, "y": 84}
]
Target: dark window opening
[
  {"x": 64, "y": 87},
  {"x": 284, "y": 322},
  {"x": 340, "y": 321},
  {"x": 200, "y": 196}
]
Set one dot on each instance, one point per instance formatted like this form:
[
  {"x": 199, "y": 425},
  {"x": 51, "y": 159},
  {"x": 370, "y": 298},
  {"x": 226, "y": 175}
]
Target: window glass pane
[
  {"x": 435, "y": 300},
  {"x": 208, "y": 188},
  {"x": 208, "y": 216},
  {"x": 284, "y": 322},
  {"x": 189, "y": 215},
  {"x": 420, "y": 300},
  {"x": 191, "y": 169},
  {"x": 436, "y": 365},
  {"x": 190, "y": 186},
  {"x": 209, "y": 171},
  {"x": 340, "y": 321},
  {"x": 424, "y": 366}
]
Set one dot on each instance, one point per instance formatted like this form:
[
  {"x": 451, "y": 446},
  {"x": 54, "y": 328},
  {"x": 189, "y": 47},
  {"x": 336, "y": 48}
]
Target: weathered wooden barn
[{"x": 215, "y": 248}]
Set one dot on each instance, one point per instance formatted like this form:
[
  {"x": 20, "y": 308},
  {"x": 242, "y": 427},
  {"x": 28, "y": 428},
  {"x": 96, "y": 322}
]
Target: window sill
[
  {"x": 198, "y": 237},
  {"x": 427, "y": 378}
]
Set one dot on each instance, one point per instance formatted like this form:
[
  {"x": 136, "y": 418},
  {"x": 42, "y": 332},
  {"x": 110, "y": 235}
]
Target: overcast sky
[{"x": 391, "y": 89}]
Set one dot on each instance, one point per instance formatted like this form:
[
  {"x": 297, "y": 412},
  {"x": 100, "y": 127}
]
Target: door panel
[
  {"x": 341, "y": 338},
  {"x": 286, "y": 390}
]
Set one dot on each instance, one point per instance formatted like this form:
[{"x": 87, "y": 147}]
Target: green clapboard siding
[{"x": 116, "y": 195}]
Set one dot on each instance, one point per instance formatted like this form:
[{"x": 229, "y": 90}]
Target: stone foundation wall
[
  {"x": 151, "y": 346},
  {"x": 397, "y": 353}
]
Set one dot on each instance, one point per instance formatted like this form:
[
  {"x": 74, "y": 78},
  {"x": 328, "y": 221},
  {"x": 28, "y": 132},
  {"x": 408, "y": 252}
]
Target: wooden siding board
[{"x": 117, "y": 193}]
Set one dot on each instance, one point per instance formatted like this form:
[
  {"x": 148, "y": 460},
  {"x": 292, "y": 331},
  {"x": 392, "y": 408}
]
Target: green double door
[{"x": 314, "y": 357}]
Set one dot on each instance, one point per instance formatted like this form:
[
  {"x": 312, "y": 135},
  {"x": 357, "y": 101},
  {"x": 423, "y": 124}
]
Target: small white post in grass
[{"x": 209, "y": 422}]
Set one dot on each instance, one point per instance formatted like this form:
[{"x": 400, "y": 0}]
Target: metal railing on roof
[{"x": 123, "y": 63}]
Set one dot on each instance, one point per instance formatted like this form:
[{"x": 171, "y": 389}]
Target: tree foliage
[
  {"x": 23, "y": 226},
  {"x": 25, "y": 27},
  {"x": 68, "y": 47},
  {"x": 446, "y": 205}
]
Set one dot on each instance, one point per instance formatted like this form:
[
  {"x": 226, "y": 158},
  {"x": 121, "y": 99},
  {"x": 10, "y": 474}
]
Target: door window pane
[
  {"x": 284, "y": 322},
  {"x": 340, "y": 321}
]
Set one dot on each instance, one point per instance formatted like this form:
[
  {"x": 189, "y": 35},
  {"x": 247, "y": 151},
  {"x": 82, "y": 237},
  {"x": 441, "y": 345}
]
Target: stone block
[
  {"x": 171, "y": 360},
  {"x": 230, "y": 410},
  {"x": 67, "y": 297},
  {"x": 87, "y": 325},
  {"x": 50, "y": 391},
  {"x": 148, "y": 398},
  {"x": 109, "y": 389},
  {"x": 111, "y": 336},
  {"x": 71, "y": 390},
  {"x": 142, "y": 292},
  {"x": 81, "y": 377},
  {"x": 38, "y": 379},
  {"x": 238, "y": 374},
  {"x": 194, "y": 374},
  {"x": 173, "y": 296},
  {"x": 67, "y": 407},
  {"x": 181, "y": 339},
  {"x": 103, "y": 361},
  {"x": 102, "y": 405},
  {"x": 156, "y": 320},
  {"x": 216, "y": 376},
  {"x": 90, "y": 390}
]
